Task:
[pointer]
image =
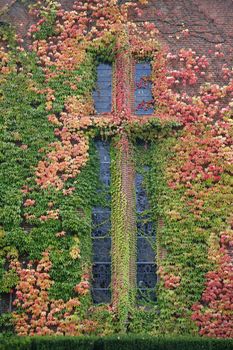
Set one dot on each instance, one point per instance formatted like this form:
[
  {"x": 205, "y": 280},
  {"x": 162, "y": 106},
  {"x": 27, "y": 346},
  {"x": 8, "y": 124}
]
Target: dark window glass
[
  {"x": 146, "y": 267},
  {"x": 102, "y": 95},
  {"x": 143, "y": 99},
  {"x": 5, "y": 302},
  {"x": 230, "y": 252},
  {"x": 101, "y": 239}
]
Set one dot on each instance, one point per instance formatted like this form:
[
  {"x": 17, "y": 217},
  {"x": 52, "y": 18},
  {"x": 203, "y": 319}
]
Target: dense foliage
[
  {"x": 121, "y": 342},
  {"x": 50, "y": 182}
]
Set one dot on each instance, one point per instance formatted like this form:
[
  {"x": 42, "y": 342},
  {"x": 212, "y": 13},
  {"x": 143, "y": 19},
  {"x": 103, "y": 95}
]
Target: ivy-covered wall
[{"x": 50, "y": 178}]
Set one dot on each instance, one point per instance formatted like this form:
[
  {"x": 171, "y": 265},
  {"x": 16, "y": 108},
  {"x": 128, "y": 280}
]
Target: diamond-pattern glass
[
  {"x": 143, "y": 99},
  {"x": 101, "y": 225},
  {"x": 146, "y": 267},
  {"x": 102, "y": 95}
]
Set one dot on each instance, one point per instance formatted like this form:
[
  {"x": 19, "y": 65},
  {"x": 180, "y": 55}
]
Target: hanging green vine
[{"x": 122, "y": 242}]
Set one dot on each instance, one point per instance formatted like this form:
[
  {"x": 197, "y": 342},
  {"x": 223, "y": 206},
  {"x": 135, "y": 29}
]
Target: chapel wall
[{"x": 205, "y": 26}]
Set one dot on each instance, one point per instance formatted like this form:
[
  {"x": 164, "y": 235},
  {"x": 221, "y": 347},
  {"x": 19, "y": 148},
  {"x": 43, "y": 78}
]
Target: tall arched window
[
  {"x": 101, "y": 238},
  {"x": 145, "y": 231},
  {"x": 146, "y": 235}
]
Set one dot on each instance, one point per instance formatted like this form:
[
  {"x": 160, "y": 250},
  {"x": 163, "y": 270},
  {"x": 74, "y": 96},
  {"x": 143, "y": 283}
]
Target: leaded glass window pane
[
  {"x": 102, "y": 95},
  {"x": 5, "y": 303},
  {"x": 146, "y": 240},
  {"x": 143, "y": 99},
  {"x": 101, "y": 239}
]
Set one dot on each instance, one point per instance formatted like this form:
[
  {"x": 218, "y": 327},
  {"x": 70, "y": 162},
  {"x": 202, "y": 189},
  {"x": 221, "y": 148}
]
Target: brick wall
[
  {"x": 205, "y": 26},
  {"x": 196, "y": 24}
]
